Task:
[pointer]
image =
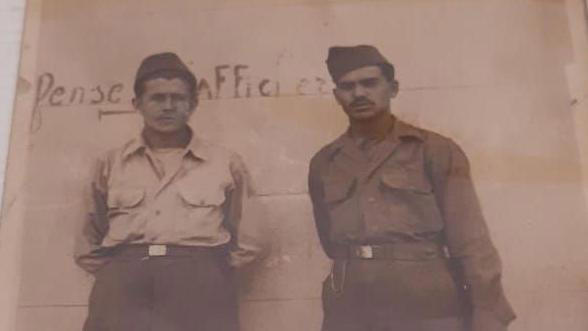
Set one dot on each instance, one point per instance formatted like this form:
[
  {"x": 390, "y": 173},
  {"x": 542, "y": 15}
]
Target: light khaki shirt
[{"x": 205, "y": 201}]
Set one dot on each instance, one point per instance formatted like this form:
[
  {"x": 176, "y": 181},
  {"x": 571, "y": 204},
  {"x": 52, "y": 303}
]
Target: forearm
[
  {"x": 468, "y": 239},
  {"x": 321, "y": 216},
  {"x": 243, "y": 216},
  {"x": 88, "y": 251},
  {"x": 91, "y": 260}
]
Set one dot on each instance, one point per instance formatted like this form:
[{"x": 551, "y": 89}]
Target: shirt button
[
  {"x": 372, "y": 199},
  {"x": 430, "y": 252}
]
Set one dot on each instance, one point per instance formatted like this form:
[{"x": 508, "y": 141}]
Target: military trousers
[
  {"x": 391, "y": 295},
  {"x": 192, "y": 289}
]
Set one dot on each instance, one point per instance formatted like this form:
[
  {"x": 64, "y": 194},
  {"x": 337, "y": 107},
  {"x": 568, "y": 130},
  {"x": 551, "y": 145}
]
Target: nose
[
  {"x": 359, "y": 91},
  {"x": 168, "y": 104}
]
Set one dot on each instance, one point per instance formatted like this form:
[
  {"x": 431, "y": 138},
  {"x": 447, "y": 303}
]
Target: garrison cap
[
  {"x": 342, "y": 59},
  {"x": 163, "y": 62}
]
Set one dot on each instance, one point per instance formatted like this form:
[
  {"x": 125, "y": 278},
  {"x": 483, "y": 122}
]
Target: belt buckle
[
  {"x": 157, "y": 250},
  {"x": 364, "y": 252}
]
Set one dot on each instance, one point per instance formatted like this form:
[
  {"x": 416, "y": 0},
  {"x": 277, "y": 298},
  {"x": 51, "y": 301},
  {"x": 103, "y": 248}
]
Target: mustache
[{"x": 361, "y": 102}]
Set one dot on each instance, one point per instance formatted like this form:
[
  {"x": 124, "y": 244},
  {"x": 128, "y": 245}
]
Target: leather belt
[
  {"x": 419, "y": 250},
  {"x": 157, "y": 250}
]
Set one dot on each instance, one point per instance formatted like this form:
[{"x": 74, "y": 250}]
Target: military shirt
[
  {"x": 205, "y": 201},
  {"x": 416, "y": 186}
]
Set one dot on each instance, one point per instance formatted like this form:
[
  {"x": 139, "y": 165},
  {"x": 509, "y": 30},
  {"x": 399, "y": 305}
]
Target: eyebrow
[
  {"x": 170, "y": 94},
  {"x": 363, "y": 81},
  {"x": 369, "y": 80}
]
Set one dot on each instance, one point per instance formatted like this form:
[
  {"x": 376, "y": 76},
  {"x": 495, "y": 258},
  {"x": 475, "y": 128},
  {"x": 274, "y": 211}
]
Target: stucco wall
[{"x": 489, "y": 74}]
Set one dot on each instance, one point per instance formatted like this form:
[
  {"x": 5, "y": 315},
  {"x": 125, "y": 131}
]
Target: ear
[
  {"x": 195, "y": 102},
  {"x": 137, "y": 103},
  {"x": 336, "y": 95},
  {"x": 394, "y": 88}
]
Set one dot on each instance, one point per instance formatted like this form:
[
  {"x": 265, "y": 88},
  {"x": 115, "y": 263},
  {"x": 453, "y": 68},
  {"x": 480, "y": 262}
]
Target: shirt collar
[
  {"x": 196, "y": 147},
  {"x": 400, "y": 131},
  {"x": 403, "y": 130}
]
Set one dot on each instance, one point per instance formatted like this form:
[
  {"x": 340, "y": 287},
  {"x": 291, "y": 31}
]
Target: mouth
[
  {"x": 362, "y": 106},
  {"x": 166, "y": 118}
]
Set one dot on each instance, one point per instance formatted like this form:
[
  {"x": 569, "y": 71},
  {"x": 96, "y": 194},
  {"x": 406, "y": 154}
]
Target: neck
[
  {"x": 175, "y": 139},
  {"x": 373, "y": 128}
]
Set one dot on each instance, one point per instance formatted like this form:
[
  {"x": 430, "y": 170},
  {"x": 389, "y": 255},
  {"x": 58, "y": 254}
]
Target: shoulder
[
  {"x": 428, "y": 137},
  {"x": 321, "y": 158},
  {"x": 442, "y": 152},
  {"x": 124, "y": 151},
  {"x": 102, "y": 163},
  {"x": 224, "y": 159},
  {"x": 115, "y": 154},
  {"x": 435, "y": 144},
  {"x": 217, "y": 153}
]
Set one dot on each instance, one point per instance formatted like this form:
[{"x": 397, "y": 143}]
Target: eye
[
  {"x": 158, "y": 97},
  {"x": 179, "y": 98},
  {"x": 345, "y": 86},
  {"x": 370, "y": 82}
]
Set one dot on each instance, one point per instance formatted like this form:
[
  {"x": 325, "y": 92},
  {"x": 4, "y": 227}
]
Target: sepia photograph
[{"x": 320, "y": 165}]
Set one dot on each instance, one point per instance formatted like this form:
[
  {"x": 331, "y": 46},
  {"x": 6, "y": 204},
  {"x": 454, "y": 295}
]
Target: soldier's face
[
  {"x": 166, "y": 104},
  {"x": 365, "y": 93}
]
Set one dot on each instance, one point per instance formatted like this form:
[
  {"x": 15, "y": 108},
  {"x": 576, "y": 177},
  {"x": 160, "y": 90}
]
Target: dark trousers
[
  {"x": 391, "y": 295},
  {"x": 193, "y": 291}
]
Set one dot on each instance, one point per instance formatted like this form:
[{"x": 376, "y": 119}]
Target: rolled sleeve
[{"x": 468, "y": 239}]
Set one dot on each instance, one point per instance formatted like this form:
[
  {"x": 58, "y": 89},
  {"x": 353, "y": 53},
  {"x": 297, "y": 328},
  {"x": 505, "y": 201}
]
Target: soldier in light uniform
[{"x": 167, "y": 220}]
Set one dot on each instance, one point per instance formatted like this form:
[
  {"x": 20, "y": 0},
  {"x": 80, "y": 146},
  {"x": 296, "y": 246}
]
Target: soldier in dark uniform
[{"x": 396, "y": 210}]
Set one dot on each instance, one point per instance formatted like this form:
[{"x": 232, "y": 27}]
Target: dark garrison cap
[
  {"x": 163, "y": 62},
  {"x": 342, "y": 59}
]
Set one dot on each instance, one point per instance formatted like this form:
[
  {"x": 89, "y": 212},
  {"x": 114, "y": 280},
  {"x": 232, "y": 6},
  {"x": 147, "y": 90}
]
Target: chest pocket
[
  {"x": 199, "y": 196},
  {"x": 125, "y": 198},
  {"x": 338, "y": 190},
  {"x": 411, "y": 181},
  {"x": 411, "y": 199}
]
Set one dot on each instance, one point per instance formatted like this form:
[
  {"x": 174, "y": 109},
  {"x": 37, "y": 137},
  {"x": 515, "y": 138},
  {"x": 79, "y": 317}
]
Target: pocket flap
[
  {"x": 202, "y": 197},
  {"x": 125, "y": 198},
  {"x": 338, "y": 190},
  {"x": 406, "y": 180}
]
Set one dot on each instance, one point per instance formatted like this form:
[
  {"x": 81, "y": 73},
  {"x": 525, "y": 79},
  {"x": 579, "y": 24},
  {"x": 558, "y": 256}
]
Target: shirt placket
[
  {"x": 366, "y": 194},
  {"x": 165, "y": 178},
  {"x": 160, "y": 207},
  {"x": 353, "y": 161}
]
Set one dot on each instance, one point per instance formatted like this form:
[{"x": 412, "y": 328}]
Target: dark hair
[
  {"x": 388, "y": 71},
  {"x": 187, "y": 77}
]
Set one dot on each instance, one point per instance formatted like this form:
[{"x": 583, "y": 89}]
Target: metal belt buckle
[
  {"x": 365, "y": 252},
  {"x": 157, "y": 250}
]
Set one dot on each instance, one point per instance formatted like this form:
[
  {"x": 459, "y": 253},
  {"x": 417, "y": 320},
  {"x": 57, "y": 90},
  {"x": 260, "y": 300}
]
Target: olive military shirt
[{"x": 415, "y": 186}]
